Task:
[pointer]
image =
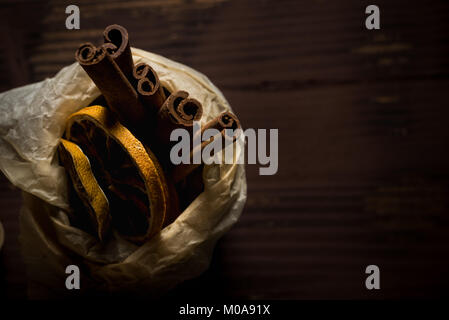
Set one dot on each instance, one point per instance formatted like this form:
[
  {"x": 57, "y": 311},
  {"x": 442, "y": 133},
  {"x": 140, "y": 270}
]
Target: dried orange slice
[
  {"x": 127, "y": 171},
  {"x": 85, "y": 185}
]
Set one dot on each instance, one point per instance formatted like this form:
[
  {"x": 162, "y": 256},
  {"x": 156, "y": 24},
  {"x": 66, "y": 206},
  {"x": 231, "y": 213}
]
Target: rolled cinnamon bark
[
  {"x": 224, "y": 121},
  {"x": 120, "y": 95},
  {"x": 148, "y": 87},
  {"x": 178, "y": 111},
  {"x": 117, "y": 45}
]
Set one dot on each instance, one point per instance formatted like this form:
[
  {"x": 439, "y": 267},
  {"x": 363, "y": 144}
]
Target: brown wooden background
[{"x": 363, "y": 126}]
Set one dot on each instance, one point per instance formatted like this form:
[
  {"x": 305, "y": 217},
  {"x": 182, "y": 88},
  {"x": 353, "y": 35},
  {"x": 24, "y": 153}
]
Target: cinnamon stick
[
  {"x": 224, "y": 121},
  {"x": 178, "y": 111},
  {"x": 120, "y": 95},
  {"x": 117, "y": 45},
  {"x": 148, "y": 87}
]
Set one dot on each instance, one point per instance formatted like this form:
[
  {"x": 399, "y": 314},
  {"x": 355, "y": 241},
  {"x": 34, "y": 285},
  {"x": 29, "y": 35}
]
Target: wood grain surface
[{"x": 363, "y": 134}]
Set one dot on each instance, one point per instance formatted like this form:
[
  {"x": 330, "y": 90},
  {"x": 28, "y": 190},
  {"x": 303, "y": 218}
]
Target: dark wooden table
[{"x": 363, "y": 126}]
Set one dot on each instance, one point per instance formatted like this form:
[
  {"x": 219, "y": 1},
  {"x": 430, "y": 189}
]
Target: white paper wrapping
[{"x": 32, "y": 119}]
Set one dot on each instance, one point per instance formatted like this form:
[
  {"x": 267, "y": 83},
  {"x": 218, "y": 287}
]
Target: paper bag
[{"x": 32, "y": 119}]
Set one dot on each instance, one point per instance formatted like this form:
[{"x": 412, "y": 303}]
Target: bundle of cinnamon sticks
[{"x": 141, "y": 103}]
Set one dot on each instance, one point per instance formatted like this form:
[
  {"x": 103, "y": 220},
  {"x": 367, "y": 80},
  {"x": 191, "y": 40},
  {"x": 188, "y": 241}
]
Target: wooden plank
[{"x": 362, "y": 118}]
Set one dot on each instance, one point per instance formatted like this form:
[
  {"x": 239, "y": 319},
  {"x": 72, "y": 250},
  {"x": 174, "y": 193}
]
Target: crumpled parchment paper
[{"x": 32, "y": 119}]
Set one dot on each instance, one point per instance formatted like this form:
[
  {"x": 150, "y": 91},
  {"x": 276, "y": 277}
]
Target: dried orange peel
[
  {"x": 86, "y": 185},
  {"x": 127, "y": 171}
]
